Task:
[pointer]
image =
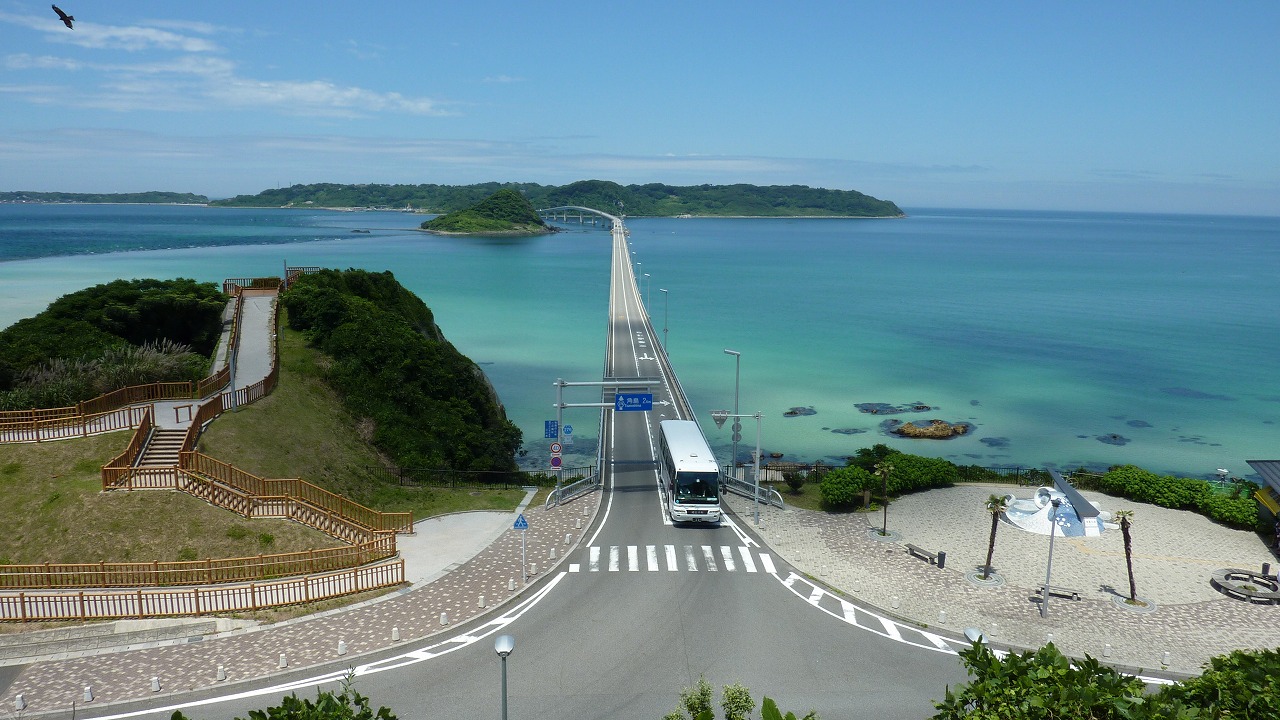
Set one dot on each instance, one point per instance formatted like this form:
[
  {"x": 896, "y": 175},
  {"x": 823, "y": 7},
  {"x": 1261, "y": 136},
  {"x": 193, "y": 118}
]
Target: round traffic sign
[
  {"x": 555, "y": 448},
  {"x": 555, "y": 461}
]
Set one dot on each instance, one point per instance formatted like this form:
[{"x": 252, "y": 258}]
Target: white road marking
[
  {"x": 767, "y": 561},
  {"x": 651, "y": 555},
  {"x": 574, "y": 567},
  {"x": 672, "y": 565},
  {"x": 613, "y": 558},
  {"x": 710, "y": 557},
  {"x": 726, "y": 552},
  {"x": 594, "y": 563},
  {"x": 633, "y": 558},
  {"x": 747, "y": 561},
  {"x": 691, "y": 562}
]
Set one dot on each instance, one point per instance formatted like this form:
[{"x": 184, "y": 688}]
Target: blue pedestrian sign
[
  {"x": 632, "y": 402},
  {"x": 521, "y": 523},
  {"x": 568, "y": 429},
  {"x": 551, "y": 429}
]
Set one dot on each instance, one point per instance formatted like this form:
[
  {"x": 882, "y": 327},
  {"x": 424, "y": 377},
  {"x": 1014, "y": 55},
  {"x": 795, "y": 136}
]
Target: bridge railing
[{"x": 588, "y": 480}]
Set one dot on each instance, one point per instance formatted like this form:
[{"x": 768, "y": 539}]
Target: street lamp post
[
  {"x": 503, "y": 646},
  {"x": 1048, "y": 573},
  {"x": 664, "y": 317},
  {"x": 737, "y": 374},
  {"x": 720, "y": 416},
  {"x": 646, "y": 292}
]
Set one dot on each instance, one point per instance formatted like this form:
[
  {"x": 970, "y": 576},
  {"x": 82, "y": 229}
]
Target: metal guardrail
[
  {"x": 739, "y": 486},
  {"x": 565, "y": 493}
]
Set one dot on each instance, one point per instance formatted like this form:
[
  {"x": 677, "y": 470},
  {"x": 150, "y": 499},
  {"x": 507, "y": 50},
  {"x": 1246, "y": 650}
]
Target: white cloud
[{"x": 503, "y": 79}]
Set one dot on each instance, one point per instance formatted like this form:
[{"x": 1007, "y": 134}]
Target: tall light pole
[
  {"x": 664, "y": 317},
  {"x": 646, "y": 292},
  {"x": 720, "y": 416},
  {"x": 503, "y": 646},
  {"x": 1048, "y": 573},
  {"x": 737, "y": 427}
]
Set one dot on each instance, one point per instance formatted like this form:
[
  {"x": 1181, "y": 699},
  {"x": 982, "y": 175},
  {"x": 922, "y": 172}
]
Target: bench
[
  {"x": 923, "y": 554},
  {"x": 1061, "y": 592}
]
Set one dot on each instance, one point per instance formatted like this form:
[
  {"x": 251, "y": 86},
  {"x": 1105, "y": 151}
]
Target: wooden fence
[
  {"x": 195, "y": 572},
  {"x": 295, "y": 489},
  {"x": 74, "y": 426},
  {"x": 40, "y": 606},
  {"x": 121, "y": 464}
]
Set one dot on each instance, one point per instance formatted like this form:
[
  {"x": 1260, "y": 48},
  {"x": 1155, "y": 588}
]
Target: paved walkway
[{"x": 1174, "y": 554}]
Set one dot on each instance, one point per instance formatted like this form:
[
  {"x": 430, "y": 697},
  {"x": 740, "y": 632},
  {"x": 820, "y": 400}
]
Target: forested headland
[
  {"x": 424, "y": 404},
  {"x": 651, "y": 200},
  {"x": 154, "y": 197}
]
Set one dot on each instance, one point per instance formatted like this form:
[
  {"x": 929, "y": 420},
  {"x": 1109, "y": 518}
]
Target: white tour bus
[{"x": 688, "y": 472}]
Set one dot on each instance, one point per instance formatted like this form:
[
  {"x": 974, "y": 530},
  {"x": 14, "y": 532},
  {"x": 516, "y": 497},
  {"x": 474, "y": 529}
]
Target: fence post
[
  {"x": 82, "y": 615},
  {"x": 141, "y": 611}
]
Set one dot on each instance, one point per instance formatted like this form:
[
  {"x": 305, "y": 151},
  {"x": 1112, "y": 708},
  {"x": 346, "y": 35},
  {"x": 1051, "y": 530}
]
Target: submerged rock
[
  {"x": 800, "y": 412},
  {"x": 1113, "y": 439}
]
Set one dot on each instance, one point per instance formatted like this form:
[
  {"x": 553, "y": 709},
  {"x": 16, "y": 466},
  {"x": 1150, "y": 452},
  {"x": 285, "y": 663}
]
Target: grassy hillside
[{"x": 54, "y": 510}]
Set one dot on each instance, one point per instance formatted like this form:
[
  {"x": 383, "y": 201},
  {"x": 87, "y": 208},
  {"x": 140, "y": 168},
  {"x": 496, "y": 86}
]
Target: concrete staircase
[{"x": 162, "y": 449}]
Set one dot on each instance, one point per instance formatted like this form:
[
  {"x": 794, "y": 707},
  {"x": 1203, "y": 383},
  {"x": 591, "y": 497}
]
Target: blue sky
[{"x": 1132, "y": 106}]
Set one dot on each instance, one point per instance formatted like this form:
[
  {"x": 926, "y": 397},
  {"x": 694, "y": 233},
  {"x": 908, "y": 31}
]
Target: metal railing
[
  {"x": 740, "y": 486},
  {"x": 589, "y": 480}
]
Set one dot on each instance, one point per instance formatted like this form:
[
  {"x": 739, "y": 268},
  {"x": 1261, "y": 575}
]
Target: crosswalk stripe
[
  {"x": 670, "y": 557},
  {"x": 816, "y": 595},
  {"x": 849, "y": 613},
  {"x": 710, "y": 557},
  {"x": 891, "y": 628},
  {"x": 726, "y": 552}
]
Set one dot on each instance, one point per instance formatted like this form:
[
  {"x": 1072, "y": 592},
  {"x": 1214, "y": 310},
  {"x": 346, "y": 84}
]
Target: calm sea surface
[{"x": 1064, "y": 339}]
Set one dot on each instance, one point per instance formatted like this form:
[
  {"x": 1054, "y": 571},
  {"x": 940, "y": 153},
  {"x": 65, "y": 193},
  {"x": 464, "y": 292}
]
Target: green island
[
  {"x": 649, "y": 200},
  {"x": 155, "y": 197},
  {"x": 505, "y": 212}
]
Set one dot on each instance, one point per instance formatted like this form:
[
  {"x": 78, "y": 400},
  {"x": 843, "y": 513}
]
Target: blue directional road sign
[
  {"x": 521, "y": 523},
  {"x": 551, "y": 428},
  {"x": 568, "y": 429},
  {"x": 624, "y": 402}
]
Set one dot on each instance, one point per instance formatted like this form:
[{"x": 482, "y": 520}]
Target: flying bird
[{"x": 65, "y": 18}]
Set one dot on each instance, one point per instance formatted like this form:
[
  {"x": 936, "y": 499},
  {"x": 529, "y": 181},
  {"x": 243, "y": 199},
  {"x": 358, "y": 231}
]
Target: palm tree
[
  {"x": 883, "y": 469},
  {"x": 996, "y": 504},
  {"x": 1126, "y": 521}
]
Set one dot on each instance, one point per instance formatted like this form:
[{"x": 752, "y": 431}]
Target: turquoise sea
[{"x": 1064, "y": 339}]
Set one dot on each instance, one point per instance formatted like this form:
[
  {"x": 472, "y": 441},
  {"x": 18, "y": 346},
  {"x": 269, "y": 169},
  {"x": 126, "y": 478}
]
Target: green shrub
[
  {"x": 1238, "y": 510},
  {"x": 841, "y": 488}
]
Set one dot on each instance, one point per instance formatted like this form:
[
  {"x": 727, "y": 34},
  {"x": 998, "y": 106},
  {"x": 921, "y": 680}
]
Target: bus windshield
[{"x": 697, "y": 488}]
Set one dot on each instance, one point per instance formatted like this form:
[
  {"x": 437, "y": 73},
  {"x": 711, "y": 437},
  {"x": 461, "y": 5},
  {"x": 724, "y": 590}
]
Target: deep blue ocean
[{"x": 1063, "y": 339}]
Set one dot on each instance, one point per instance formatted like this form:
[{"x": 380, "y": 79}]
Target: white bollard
[
  {"x": 222, "y": 674},
  {"x": 857, "y": 586},
  {"x": 395, "y": 634},
  {"x": 284, "y": 661},
  {"x": 155, "y": 684},
  {"x": 481, "y": 601},
  {"x": 568, "y": 538},
  {"x": 578, "y": 524},
  {"x": 552, "y": 555},
  {"x": 342, "y": 647},
  {"x": 942, "y": 616},
  {"x": 1164, "y": 660},
  {"x": 19, "y": 703},
  {"x": 893, "y": 603},
  {"x": 1048, "y": 638},
  {"x": 1106, "y": 650},
  {"x": 992, "y": 631},
  {"x": 444, "y": 618},
  {"x": 533, "y": 568},
  {"x": 511, "y": 585},
  {"x": 88, "y": 693}
]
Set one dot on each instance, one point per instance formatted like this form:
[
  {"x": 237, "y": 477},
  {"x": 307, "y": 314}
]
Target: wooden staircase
[{"x": 162, "y": 449}]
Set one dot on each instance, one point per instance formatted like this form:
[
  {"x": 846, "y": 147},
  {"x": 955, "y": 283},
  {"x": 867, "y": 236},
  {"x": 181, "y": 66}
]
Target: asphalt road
[{"x": 600, "y": 644}]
